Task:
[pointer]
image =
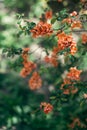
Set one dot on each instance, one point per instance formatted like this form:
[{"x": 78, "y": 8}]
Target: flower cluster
[
  {"x": 35, "y": 81},
  {"x": 84, "y": 38},
  {"x": 48, "y": 15},
  {"x": 72, "y": 75},
  {"x": 66, "y": 41},
  {"x": 42, "y": 29},
  {"x": 76, "y": 24},
  {"x": 76, "y": 122},
  {"x": 47, "y": 107},
  {"x": 70, "y": 90},
  {"x": 28, "y": 65},
  {"x": 65, "y": 44},
  {"x": 52, "y": 59},
  {"x": 67, "y": 20},
  {"x": 74, "y": 13},
  {"x": 73, "y": 21}
]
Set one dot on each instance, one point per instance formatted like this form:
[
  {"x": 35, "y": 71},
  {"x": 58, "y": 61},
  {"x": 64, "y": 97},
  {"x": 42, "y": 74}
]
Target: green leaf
[
  {"x": 53, "y": 20},
  {"x": 9, "y": 54},
  {"x": 4, "y": 50}
]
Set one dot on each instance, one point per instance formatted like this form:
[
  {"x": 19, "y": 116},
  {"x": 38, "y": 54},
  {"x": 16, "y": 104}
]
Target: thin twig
[
  {"x": 34, "y": 50},
  {"x": 82, "y": 30}
]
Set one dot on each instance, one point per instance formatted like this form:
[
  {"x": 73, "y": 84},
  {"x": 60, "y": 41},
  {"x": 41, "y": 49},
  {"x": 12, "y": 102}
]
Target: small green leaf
[
  {"x": 4, "y": 50},
  {"x": 53, "y": 20}
]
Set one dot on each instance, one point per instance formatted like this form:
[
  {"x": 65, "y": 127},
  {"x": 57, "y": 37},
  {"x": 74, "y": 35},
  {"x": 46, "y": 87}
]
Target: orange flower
[
  {"x": 42, "y": 29},
  {"x": 76, "y": 24},
  {"x": 66, "y": 91},
  {"x": 52, "y": 60},
  {"x": 66, "y": 41},
  {"x": 74, "y": 74},
  {"x": 55, "y": 50},
  {"x": 67, "y": 20},
  {"x": 48, "y": 15},
  {"x": 24, "y": 56},
  {"x": 35, "y": 81},
  {"x": 70, "y": 90},
  {"x": 26, "y": 49},
  {"x": 59, "y": 0},
  {"x": 47, "y": 107},
  {"x": 84, "y": 38},
  {"x": 83, "y": 1},
  {"x": 47, "y": 59},
  {"x": 24, "y": 72},
  {"x": 25, "y": 53},
  {"x": 74, "y": 13},
  {"x": 76, "y": 122},
  {"x": 65, "y": 82},
  {"x": 28, "y": 65},
  {"x": 73, "y": 48}
]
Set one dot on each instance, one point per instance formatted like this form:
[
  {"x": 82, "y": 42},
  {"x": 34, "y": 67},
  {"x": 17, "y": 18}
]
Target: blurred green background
[{"x": 19, "y": 105}]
